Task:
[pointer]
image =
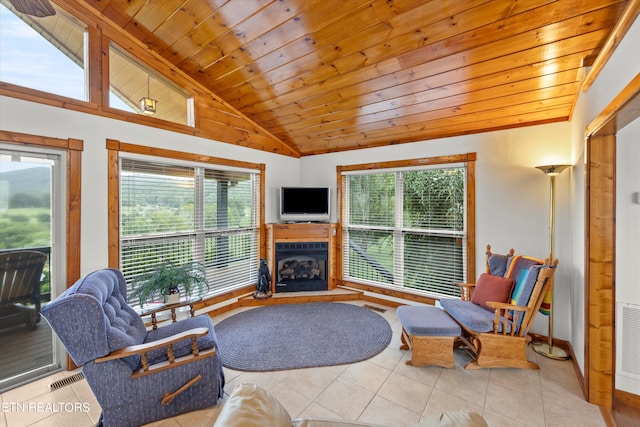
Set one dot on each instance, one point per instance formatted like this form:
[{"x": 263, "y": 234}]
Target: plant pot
[{"x": 173, "y": 297}]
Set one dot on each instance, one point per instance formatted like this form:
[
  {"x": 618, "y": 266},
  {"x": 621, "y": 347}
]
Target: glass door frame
[{"x": 65, "y": 256}]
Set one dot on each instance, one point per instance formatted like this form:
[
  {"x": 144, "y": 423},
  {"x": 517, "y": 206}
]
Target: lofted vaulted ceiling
[{"x": 331, "y": 75}]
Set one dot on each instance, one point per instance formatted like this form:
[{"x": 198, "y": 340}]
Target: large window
[
  {"x": 406, "y": 227},
  {"x": 182, "y": 213}
]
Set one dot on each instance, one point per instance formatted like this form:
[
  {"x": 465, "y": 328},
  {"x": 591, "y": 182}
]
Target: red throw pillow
[{"x": 492, "y": 288}]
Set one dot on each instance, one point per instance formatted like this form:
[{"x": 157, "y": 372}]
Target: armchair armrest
[
  {"x": 142, "y": 349},
  {"x": 466, "y": 290},
  {"x": 509, "y": 321},
  {"x": 505, "y": 306},
  {"x": 190, "y": 302}
]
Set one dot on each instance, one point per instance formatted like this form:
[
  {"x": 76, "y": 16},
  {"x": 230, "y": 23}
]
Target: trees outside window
[{"x": 406, "y": 228}]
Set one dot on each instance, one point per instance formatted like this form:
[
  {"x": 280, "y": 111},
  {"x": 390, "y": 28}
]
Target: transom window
[
  {"x": 406, "y": 227},
  {"x": 131, "y": 84},
  {"x": 47, "y": 54}
]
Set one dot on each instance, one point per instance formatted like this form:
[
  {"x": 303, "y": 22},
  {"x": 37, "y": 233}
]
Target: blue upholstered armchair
[{"x": 137, "y": 376}]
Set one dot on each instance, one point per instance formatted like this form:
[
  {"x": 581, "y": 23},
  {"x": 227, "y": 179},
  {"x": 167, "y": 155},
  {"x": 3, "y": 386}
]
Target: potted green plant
[{"x": 166, "y": 279}]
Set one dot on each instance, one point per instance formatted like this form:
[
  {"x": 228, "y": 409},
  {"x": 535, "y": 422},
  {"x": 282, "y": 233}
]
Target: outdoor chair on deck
[
  {"x": 495, "y": 313},
  {"x": 20, "y": 279},
  {"x": 137, "y": 376}
]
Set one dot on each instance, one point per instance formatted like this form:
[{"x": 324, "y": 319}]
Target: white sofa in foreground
[{"x": 252, "y": 406}]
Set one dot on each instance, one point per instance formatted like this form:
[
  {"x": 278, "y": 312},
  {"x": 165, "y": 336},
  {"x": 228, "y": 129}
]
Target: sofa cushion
[
  {"x": 491, "y": 288},
  {"x": 252, "y": 406},
  {"x": 472, "y": 316}
]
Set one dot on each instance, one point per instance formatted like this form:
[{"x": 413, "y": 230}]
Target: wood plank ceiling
[{"x": 332, "y": 75}]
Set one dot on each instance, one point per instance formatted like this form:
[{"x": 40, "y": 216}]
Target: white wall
[
  {"x": 628, "y": 214},
  {"x": 512, "y": 196},
  {"x": 627, "y": 248},
  {"x": 622, "y": 67},
  {"x": 36, "y": 119}
]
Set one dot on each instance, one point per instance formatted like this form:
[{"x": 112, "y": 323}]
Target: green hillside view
[{"x": 25, "y": 198}]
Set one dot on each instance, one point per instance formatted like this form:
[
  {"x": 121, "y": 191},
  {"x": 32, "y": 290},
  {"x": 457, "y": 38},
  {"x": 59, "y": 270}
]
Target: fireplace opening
[{"x": 301, "y": 266}]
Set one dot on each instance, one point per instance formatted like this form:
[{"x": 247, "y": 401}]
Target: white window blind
[
  {"x": 183, "y": 214},
  {"x": 406, "y": 228}
]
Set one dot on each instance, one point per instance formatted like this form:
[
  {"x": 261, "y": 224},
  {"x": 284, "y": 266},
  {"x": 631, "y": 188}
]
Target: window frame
[
  {"x": 115, "y": 148},
  {"x": 468, "y": 159}
]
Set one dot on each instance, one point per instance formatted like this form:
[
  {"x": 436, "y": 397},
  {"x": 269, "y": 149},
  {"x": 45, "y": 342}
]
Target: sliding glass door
[{"x": 32, "y": 218}]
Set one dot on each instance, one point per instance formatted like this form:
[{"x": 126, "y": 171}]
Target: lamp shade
[
  {"x": 553, "y": 170},
  {"x": 148, "y": 106}
]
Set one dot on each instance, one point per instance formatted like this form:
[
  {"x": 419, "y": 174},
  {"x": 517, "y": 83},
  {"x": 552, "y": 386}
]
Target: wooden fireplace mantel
[{"x": 302, "y": 232}]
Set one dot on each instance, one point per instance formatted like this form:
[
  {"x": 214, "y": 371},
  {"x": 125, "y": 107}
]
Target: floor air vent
[
  {"x": 66, "y": 381},
  {"x": 378, "y": 309}
]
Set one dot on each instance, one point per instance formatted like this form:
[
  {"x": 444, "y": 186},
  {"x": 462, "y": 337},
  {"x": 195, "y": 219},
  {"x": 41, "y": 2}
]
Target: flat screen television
[{"x": 305, "y": 204}]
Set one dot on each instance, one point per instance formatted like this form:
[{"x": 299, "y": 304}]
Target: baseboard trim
[
  {"x": 607, "y": 416},
  {"x": 627, "y": 398},
  {"x": 566, "y": 346},
  {"x": 626, "y": 409},
  {"x": 390, "y": 296}
]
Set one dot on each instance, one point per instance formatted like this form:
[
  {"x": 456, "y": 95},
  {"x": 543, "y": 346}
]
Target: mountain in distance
[{"x": 33, "y": 181}]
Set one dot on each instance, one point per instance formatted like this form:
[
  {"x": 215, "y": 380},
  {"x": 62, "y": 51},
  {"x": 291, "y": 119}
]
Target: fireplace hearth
[{"x": 301, "y": 266}]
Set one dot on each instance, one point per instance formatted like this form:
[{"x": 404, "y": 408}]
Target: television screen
[{"x": 304, "y": 203}]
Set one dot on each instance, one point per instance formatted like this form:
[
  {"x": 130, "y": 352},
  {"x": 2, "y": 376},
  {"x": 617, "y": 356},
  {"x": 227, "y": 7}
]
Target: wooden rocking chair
[
  {"x": 496, "y": 332},
  {"x": 20, "y": 279}
]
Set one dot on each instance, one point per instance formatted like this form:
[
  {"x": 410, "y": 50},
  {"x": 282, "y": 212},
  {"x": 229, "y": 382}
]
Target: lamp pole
[{"x": 548, "y": 349}]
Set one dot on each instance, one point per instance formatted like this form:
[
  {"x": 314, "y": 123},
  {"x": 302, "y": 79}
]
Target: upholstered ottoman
[{"x": 430, "y": 334}]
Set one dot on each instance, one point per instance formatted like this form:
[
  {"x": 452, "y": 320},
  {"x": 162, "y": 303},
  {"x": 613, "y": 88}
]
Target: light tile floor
[{"x": 382, "y": 390}]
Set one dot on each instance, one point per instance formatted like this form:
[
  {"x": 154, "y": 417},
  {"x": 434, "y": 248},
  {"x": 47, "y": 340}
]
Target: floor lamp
[{"x": 547, "y": 349}]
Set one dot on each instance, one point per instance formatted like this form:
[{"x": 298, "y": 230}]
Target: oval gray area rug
[{"x": 293, "y": 336}]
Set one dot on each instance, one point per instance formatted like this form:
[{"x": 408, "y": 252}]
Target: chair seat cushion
[
  {"x": 472, "y": 316},
  {"x": 183, "y": 347},
  {"x": 427, "y": 321}
]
